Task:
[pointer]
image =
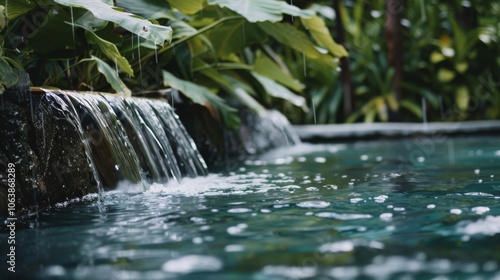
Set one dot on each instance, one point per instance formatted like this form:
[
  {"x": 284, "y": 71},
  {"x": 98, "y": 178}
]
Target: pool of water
[{"x": 398, "y": 209}]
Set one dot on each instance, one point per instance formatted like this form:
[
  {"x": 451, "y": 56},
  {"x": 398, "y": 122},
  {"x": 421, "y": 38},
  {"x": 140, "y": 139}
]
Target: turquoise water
[{"x": 399, "y": 209}]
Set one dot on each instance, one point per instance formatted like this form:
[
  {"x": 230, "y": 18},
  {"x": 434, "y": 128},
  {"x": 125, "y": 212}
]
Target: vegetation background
[{"x": 392, "y": 59}]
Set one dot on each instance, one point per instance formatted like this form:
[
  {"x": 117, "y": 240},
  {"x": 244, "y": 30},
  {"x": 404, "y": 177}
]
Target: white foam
[
  {"x": 193, "y": 263},
  {"x": 490, "y": 225}
]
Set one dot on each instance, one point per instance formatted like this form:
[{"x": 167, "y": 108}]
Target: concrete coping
[{"x": 338, "y": 132}]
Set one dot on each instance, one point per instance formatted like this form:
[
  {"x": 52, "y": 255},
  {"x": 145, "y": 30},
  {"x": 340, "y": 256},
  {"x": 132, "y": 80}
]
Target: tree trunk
[
  {"x": 345, "y": 74},
  {"x": 394, "y": 47}
]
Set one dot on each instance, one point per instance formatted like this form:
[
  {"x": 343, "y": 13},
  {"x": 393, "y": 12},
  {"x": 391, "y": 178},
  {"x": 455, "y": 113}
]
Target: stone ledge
[{"x": 337, "y": 132}]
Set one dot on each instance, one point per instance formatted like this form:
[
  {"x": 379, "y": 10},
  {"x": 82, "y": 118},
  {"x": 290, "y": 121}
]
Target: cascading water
[{"x": 81, "y": 143}]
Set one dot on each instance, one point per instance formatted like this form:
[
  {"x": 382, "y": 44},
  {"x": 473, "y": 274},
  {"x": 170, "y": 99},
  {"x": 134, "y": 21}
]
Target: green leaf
[
  {"x": 291, "y": 37},
  {"x": 90, "y": 22},
  {"x": 266, "y": 67},
  {"x": 148, "y": 8},
  {"x": 155, "y": 33},
  {"x": 235, "y": 88},
  {"x": 111, "y": 51},
  {"x": 412, "y": 107},
  {"x": 444, "y": 75},
  {"x": 274, "y": 89},
  {"x": 18, "y": 8},
  {"x": 203, "y": 96},
  {"x": 3, "y": 19},
  {"x": 462, "y": 97},
  {"x": 232, "y": 37},
  {"x": 188, "y": 7},
  {"x": 322, "y": 35},
  {"x": 262, "y": 10},
  {"x": 111, "y": 76},
  {"x": 8, "y": 77}
]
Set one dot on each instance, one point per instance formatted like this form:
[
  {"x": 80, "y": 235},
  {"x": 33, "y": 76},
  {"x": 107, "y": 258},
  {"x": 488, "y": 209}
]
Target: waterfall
[
  {"x": 132, "y": 139},
  {"x": 66, "y": 144}
]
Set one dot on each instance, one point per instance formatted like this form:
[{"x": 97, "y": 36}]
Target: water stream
[{"x": 361, "y": 210}]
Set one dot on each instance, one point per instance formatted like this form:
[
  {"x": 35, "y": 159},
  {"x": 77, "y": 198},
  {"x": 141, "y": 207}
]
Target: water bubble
[
  {"x": 476, "y": 171},
  {"x": 431, "y": 206},
  {"x": 480, "y": 210},
  {"x": 356, "y": 200},
  {"x": 320, "y": 159},
  {"x": 386, "y": 216},
  {"x": 313, "y": 204},
  {"x": 265, "y": 211},
  {"x": 239, "y": 210},
  {"x": 497, "y": 153},
  {"x": 381, "y": 198},
  {"x": 192, "y": 263},
  {"x": 337, "y": 247},
  {"x": 420, "y": 159},
  {"x": 379, "y": 158},
  {"x": 234, "y": 230},
  {"x": 234, "y": 248},
  {"x": 456, "y": 211},
  {"x": 399, "y": 209},
  {"x": 312, "y": 189},
  {"x": 364, "y": 157}
]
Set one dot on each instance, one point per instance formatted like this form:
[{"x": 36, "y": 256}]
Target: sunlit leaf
[
  {"x": 188, "y": 7},
  {"x": 461, "y": 67},
  {"x": 111, "y": 76},
  {"x": 262, "y": 10},
  {"x": 155, "y": 33},
  {"x": 18, "y": 8},
  {"x": 462, "y": 97},
  {"x": 322, "y": 35},
  {"x": 436, "y": 57},
  {"x": 445, "y": 75}
]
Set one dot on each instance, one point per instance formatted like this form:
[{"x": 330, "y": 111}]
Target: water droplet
[{"x": 477, "y": 171}]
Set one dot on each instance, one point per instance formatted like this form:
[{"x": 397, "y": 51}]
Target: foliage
[
  {"x": 212, "y": 51},
  {"x": 451, "y": 59}
]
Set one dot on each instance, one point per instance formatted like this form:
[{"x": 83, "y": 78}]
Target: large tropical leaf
[
  {"x": 235, "y": 88},
  {"x": 188, "y": 7},
  {"x": 266, "y": 67},
  {"x": 262, "y": 10},
  {"x": 291, "y": 37},
  {"x": 147, "y": 8},
  {"x": 111, "y": 76},
  {"x": 233, "y": 36},
  {"x": 7, "y": 76},
  {"x": 322, "y": 36},
  {"x": 14, "y": 9},
  {"x": 274, "y": 89},
  {"x": 111, "y": 51},
  {"x": 203, "y": 96},
  {"x": 155, "y": 33}
]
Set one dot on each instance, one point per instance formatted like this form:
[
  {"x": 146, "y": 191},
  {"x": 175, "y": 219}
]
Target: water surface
[{"x": 397, "y": 209}]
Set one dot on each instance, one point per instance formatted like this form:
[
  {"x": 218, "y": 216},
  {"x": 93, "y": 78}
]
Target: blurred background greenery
[{"x": 405, "y": 60}]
